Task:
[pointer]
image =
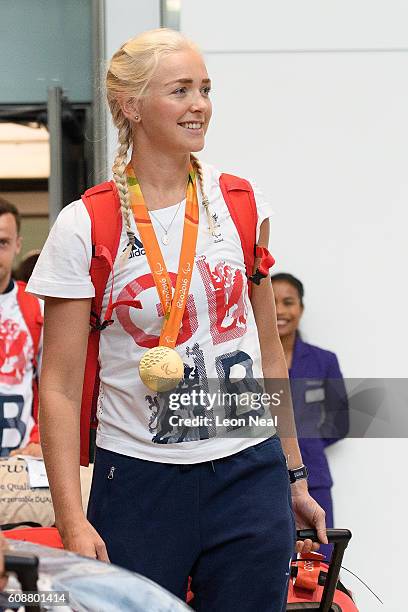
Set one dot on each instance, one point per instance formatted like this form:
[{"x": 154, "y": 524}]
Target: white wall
[
  {"x": 310, "y": 99},
  {"x": 125, "y": 19},
  {"x": 295, "y": 24},
  {"x": 325, "y": 135}
]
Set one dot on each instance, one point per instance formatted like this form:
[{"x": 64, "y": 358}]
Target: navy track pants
[{"x": 227, "y": 523}]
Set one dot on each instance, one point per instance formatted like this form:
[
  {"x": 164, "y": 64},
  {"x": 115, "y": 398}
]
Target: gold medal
[{"x": 161, "y": 368}]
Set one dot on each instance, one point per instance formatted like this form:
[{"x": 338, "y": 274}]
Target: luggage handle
[
  {"x": 26, "y": 569},
  {"x": 340, "y": 538}
]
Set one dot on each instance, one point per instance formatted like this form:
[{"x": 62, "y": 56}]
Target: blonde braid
[
  {"x": 199, "y": 170},
  {"x": 119, "y": 176}
]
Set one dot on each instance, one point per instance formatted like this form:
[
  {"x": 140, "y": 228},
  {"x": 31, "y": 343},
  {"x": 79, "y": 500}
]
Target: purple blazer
[{"x": 320, "y": 405}]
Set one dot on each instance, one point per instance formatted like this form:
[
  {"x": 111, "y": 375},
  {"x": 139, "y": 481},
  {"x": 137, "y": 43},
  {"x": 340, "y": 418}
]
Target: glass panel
[
  {"x": 170, "y": 10},
  {"x": 45, "y": 43}
]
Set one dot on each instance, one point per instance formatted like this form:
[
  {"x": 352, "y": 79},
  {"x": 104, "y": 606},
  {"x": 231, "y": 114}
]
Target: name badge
[{"x": 315, "y": 395}]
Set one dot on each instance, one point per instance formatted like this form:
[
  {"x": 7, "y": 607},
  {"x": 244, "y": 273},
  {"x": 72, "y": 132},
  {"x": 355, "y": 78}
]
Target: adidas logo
[{"x": 137, "y": 249}]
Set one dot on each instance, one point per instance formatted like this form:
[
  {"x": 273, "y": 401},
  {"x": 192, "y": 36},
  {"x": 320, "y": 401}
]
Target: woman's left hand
[{"x": 308, "y": 515}]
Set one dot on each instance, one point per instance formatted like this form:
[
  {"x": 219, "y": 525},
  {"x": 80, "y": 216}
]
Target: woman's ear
[{"x": 130, "y": 108}]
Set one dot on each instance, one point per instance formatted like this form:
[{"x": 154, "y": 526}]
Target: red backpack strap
[
  {"x": 103, "y": 206},
  {"x": 32, "y": 315},
  {"x": 239, "y": 197}
]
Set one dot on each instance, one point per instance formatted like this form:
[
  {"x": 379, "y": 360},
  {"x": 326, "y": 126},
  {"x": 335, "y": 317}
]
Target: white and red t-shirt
[
  {"x": 218, "y": 341},
  {"x": 16, "y": 374}
]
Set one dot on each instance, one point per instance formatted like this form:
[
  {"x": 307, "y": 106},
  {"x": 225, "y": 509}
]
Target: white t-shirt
[
  {"x": 16, "y": 375},
  {"x": 218, "y": 338}
]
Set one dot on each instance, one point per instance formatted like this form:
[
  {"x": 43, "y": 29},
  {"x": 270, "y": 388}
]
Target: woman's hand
[
  {"x": 83, "y": 539},
  {"x": 308, "y": 515}
]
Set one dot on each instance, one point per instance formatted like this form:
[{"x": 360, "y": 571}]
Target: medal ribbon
[{"x": 173, "y": 307}]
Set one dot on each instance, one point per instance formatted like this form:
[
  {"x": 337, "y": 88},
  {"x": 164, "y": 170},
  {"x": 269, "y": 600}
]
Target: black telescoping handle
[
  {"x": 26, "y": 569},
  {"x": 340, "y": 538}
]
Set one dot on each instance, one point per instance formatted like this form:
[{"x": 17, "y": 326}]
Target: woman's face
[
  {"x": 288, "y": 307},
  {"x": 176, "y": 109}
]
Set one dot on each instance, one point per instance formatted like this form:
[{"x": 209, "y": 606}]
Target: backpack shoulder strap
[
  {"x": 240, "y": 199},
  {"x": 31, "y": 311},
  {"x": 103, "y": 206}
]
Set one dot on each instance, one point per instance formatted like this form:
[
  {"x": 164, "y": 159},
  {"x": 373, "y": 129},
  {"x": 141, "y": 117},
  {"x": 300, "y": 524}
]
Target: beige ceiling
[{"x": 24, "y": 151}]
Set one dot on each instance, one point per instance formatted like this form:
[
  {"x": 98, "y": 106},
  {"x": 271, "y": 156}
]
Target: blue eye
[{"x": 180, "y": 90}]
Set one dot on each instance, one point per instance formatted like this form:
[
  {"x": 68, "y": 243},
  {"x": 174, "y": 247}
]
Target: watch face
[{"x": 298, "y": 474}]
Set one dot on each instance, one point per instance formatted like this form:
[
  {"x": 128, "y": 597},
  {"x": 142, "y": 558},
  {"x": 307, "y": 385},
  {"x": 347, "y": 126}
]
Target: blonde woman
[{"x": 169, "y": 500}]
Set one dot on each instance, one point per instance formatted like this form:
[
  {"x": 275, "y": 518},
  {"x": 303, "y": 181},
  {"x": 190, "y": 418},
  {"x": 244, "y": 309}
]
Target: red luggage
[
  {"x": 315, "y": 585},
  {"x": 47, "y": 536}
]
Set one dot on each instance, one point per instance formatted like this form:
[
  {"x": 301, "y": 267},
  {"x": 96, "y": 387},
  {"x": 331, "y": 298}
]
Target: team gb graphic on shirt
[
  {"x": 16, "y": 354},
  {"x": 14, "y": 350},
  {"x": 223, "y": 290}
]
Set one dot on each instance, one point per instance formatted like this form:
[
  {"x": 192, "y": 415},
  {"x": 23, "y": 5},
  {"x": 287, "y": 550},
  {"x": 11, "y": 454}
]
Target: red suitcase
[
  {"x": 315, "y": 585},
  {"x": 47, "y": 536},
  {"x": 318, "y": 589}
]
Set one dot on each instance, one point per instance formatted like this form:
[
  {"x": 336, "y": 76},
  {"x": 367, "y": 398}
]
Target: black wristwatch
[{"x": 298, "y": 474}]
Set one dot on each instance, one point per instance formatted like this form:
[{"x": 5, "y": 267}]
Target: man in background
[{"x": 20, "y": 347}]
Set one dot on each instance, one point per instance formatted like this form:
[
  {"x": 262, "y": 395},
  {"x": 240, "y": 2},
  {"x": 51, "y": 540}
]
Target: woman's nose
[
  {"x": 280, "y": 309},
  {"x": 198, "y": 103}
]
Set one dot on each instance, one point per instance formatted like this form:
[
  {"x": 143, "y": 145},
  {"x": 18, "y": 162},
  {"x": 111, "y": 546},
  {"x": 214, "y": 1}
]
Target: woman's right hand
[{"x": 83, "y": 539}]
